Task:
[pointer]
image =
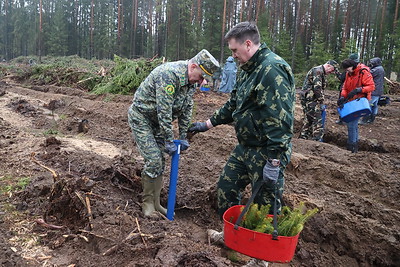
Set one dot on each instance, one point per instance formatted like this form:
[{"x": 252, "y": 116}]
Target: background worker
[
  {"x": 378, "y": 74},
  {"x": 262, "y": 107},
  {"x": 358, "y": 83},
  {"x": 342, "y": 76},
  {"x": 165, "y": 95},
  {"x": 228, "y": 76},
  {"x": 312, "y": 100}
]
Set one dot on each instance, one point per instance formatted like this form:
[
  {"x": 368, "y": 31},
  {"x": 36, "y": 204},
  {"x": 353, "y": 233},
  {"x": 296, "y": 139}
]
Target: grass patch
[
  {"x": 9, "y": 184},
  {"x": 50, "y": 132}
]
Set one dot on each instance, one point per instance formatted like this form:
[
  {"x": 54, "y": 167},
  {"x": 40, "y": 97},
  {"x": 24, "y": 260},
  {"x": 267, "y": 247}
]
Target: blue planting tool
[
  {"x": 323, "y": 116},
  {"x": 173, "y": 181},
  {"x": 323, "y": 119}
]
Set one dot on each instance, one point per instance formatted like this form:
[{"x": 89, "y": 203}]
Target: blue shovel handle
[{"x": 173, "y": 181}]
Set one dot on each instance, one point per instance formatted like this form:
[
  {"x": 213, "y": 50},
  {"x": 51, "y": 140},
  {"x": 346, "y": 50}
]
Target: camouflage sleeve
[
  {"x": 224, "y": 114},
  {"x": 186, "y": 117},
  {"x": 165, "y": 89},
  {"x": 276, "y": 97},
  {"x": 316, "y": 81}
]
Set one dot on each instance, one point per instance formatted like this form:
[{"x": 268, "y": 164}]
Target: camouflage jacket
[
  {"x": 314, "y": 85},
  {"x": 262, "y": 103},
  {"x": 166, "y": 95}
]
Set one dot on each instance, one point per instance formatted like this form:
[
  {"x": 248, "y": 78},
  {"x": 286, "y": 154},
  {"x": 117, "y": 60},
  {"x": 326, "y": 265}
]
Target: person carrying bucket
[
  {"x": 312, "y": 100},
  {"x": 262, "y": 107},
  {"x": 358, "y": 83},
  {"x": 165, "y": 95}
]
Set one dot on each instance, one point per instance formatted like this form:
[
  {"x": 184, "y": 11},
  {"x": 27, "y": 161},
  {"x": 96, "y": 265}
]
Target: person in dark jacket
[{"x": 378, "y": 74}]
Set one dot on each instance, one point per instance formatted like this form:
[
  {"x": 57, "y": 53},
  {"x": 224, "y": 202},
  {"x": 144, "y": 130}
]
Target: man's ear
[{"x": 248, "y": 43}]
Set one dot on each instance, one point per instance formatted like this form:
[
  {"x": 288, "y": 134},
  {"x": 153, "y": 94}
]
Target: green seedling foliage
[{"x": 290, "y": 222}]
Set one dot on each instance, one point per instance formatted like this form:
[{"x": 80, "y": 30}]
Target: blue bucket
[
  {"x": 204, "y": 88},
  {"x": 352, "y": 110}
]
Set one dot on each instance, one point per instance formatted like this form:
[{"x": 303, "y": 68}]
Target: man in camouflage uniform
[
  {"x": 312, "y": 100},
  {"x": 262, "y": 107},
  {"x": 165, "y": 95}
]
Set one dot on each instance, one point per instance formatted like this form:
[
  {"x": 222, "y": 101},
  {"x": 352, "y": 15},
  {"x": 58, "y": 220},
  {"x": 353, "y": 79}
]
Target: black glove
[
  {"x": 322, "y": 107},
  {"x": 341, "y": 101},
  {"x": 197, "y": 127},
  {"x": 170, "y": 147},
  {"x": 271, "y": 172},
  {"x": 354, "y": 92},
  {"x": 184, "y": 145}
]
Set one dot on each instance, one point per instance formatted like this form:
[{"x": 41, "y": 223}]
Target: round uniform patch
[{"x": 170, "y": 89}]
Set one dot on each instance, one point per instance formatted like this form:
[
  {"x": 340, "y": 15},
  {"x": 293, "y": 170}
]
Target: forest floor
[{"x": 85, "y": 143}]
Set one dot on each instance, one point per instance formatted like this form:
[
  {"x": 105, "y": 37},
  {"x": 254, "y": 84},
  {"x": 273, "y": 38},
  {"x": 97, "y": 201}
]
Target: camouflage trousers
[
  {"x": 245, "y": 166},
  {"x": 149, "y": 141},
  {"x": 312, "y": 121}
]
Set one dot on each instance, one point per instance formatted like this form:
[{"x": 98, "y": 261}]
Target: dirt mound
[{"x": 82, "y": 205}]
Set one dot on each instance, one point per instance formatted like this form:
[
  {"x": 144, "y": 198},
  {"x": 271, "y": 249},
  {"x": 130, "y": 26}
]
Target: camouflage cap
[
  {"x": 355, "y": 57},
  {"x": 207, "y": 62}
]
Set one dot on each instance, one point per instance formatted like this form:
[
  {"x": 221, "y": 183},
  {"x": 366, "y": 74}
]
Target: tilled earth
[{"x": 82, "y": 206}]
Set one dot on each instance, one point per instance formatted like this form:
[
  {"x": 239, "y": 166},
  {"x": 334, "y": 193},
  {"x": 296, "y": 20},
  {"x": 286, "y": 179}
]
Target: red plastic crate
[{"x": 255, "y": 244}]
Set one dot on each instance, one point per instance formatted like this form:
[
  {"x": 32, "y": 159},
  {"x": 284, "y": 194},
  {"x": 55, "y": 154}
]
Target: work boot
[
  {"x": 256, "y": 263},
  {"x": 354, "y": 147},
  {"x": 372, "y": 118},
  {"x": 148, "y": 196},
  {"x": 158, "y": 185},
  {"x": 365, "y": 120},
  {"x": 216, "y": 237}
]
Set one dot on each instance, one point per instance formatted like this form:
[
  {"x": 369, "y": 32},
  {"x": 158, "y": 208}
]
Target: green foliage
[
  {"x": 50, "y": 132},
  {"x": 126, "y": 76},
  {"x": 319, "y": 54},
  {"x": 9, "y": 184},
  {"x": 290, "y": 222}
]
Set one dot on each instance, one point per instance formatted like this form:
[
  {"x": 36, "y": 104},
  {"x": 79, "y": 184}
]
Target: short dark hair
[
  {"x": 349, "y": 63},
  {"x": 244, "y": 31}
]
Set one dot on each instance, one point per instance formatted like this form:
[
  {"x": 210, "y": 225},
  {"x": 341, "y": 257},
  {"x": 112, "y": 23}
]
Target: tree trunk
[
  {"x": 367, "y": 17},
  {"x": 346, "y": 29},
  {"x": 40, "y": 30},
  {"x": 296, "y": 22},
  {"x": 249, "y": 10},
  {"x": 199, "y": 17},
  {"x": 223, "y": 33},
  {"x": 91, "y": 48},
  {"x": 241, "y": 10},
  {"x": 328, "y": 24},
  {"x": 378, "y": 50}
]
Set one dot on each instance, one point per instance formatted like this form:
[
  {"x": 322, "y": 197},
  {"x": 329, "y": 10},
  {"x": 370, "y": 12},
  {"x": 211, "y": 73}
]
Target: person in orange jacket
[{"x": 358, "y": 83}]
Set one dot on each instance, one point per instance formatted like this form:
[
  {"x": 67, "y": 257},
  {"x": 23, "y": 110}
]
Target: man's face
[
  {"x": 195, "y": 74},
  {"x": 241, "y": 51},
  {"x": 329, "y": 69}
]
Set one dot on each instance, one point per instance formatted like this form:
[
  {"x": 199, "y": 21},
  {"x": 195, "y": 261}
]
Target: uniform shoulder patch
[{"x": 170, "y": 89}]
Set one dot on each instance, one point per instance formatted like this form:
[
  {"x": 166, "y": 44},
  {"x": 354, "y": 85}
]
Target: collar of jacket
[
  {"x": 256, "y": 59},
  {"x": 184, "y": 76}
]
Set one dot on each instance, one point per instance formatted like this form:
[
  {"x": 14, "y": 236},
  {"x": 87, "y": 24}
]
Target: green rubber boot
[
  {"x": 148, "y": 196},
  {"x": 158, "y": 185}
]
